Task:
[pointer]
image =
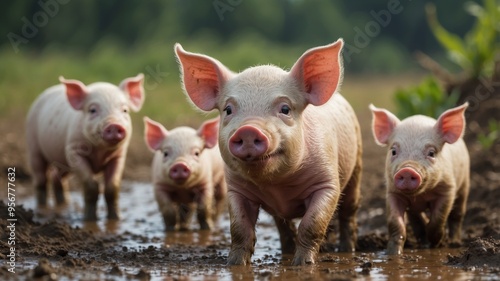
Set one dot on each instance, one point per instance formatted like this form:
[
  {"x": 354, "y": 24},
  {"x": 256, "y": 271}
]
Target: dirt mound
[
  {"x": 481, "y": 252},
  {"x": 50, "y": 239}
]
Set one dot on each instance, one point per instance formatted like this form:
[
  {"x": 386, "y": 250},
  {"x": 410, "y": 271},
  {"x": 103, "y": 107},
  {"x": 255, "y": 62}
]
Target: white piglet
[
  {"x": 84, "y": 129},
  {"x": 427, "y": 170},
  {"x": 291, "y": 144},
  {"x": 187, "y": 173}
]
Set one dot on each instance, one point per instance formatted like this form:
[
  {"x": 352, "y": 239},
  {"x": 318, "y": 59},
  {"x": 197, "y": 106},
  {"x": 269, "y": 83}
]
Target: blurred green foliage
[
  {"x": 82, "y": 26},
  {"x": 488, "y": 139},
  {"x": 427, "y": 98},
  {"x": 476, "y": 51},
  {"x": 109, "y": 40}
]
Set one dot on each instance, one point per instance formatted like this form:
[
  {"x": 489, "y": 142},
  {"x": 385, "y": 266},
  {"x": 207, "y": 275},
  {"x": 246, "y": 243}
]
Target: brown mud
[{"x": 54, "y": 244}]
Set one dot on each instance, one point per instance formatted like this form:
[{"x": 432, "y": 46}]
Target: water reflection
[{"x": 140, "y": 217}]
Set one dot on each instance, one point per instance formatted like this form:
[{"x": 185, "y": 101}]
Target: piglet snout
[
  {"x": 407, "y": 179},
  {"x": 248, "y": 143},
  {"x": 179, "y": 172},
  {"x": 114, "y": 133}
]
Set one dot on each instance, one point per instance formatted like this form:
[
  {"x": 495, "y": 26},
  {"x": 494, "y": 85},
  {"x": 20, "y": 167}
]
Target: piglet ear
[
  {"x": 76, "y": 92},
  {"x": 383, "y": 124},
  {"x": 209, "y": 132},
  {"x": 319, "y": 72},
  {"x": 451, "y": 124},
  {"x": 133, "y": 86},
  {"x": 203, "y": 77},
  {"x": 154, "y": 134}
]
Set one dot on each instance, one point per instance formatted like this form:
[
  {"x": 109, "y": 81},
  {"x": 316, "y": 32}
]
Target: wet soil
[{"x": 54, "y": 243}]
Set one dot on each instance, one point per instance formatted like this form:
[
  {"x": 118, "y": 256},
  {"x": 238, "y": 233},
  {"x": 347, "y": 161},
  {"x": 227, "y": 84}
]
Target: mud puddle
[{"x": 137, "y": 248}]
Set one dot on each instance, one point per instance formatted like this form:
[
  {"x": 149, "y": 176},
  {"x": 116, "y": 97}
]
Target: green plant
[
  {"x": 427, "y": 98},
  {"x": 474, "y": 53},
  {"x": 487, "y": 140}
]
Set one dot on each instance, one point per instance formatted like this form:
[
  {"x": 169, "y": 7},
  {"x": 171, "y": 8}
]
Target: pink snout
[
  {"x": 114, "y": 133},
  {"x": 407, "y": 179},
  {"x": 248, "y": 143},
  {"x": 179, "y": 172}
]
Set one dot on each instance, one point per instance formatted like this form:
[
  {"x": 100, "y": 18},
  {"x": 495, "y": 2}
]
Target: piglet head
[
  {"x": 414, "y": 159},
  {"x": 181, "y": 150},
  {"x": 105, "y": 108},
  {"x": 261, "y": 132}
]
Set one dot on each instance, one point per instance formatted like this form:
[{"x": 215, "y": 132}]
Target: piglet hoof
[
  {"x": 205, "y": 225},
  {"x": 238, "y": 257},
  {"x": 184, "y": 228},
  {"x": 347, "y": 247},
  {"x": 61, "y": 199},
  {"x": 303, "y": 257},
  {"x": 169, "y": 228},
  {"x": 394, "y": 248},
  {"x": 41, "y": 197},
  {"x": 455, "y": 244},
  {"x": 90, "y": 213},
  {"x": 113, "y": 215},
  {"x": 435, "y": 238}
]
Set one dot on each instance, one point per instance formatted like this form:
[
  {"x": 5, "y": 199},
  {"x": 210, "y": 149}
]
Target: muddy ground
[{"x": 54, "y": 245}]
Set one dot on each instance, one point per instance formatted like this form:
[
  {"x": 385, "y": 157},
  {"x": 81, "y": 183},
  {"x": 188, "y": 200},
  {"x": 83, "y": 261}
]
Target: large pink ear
[
  {"x": 133, "y": 86},
  {"x": 154, "y": 134},
  {"x": 383, "y": 124},
  {"x": 76, "y": 92},
  {"x": 451, "y": 124},
  {"x": 203, "y": 77},
  {"x": 209, "y": 131},
  {"x": 319, "y": 71}
]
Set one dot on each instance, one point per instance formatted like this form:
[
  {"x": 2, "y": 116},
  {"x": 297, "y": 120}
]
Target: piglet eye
[
  {"x": 228, "y": 110},
  {"x": 197, "y": 153},
  {"x": 92, "y": 110},
  {"x": 431, "y": 153},
  {"x": 393, "y": 152},
  {"x": 165, "y": 154},
  {"x": 285, "y": 109}
]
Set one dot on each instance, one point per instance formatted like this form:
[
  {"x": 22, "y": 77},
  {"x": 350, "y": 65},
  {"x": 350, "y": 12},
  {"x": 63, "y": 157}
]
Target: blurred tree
[{"x": 81, "y": 25}]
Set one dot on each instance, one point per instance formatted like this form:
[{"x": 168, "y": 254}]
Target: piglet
[
  {"x": 84, "y": 129},
  {"x": 187, "y": 173},
  {"x": 427, "y": 169},
  {"x": 291, "y": 145}
]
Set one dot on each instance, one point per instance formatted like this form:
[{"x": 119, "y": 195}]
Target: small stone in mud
[
  {"x": 115, "y": 270},
  {"x": 143, "y": 275},
  {"x": 44, "y": 269},
  {"x": 266, "y": 275},
  {"x": 329, "y": 258},
  {"x": 62, "y": 252},
  {"x": 366, "y": 267}
]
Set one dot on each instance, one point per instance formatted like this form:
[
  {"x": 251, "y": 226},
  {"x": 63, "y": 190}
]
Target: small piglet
[
  {"x": 85, "y": 130},
  {"x": 427, "y": 169},
  {"x": 291, "y": 145},
  {"x": 188, "y": 173}
]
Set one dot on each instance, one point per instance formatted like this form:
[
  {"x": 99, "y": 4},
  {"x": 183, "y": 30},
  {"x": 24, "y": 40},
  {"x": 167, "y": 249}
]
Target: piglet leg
[
  {"x": 312, "y": 228},
  {"x": 112, "y": 181},
  {"x": 396, "y": 225},
  {"x": 243, "y": 215}
]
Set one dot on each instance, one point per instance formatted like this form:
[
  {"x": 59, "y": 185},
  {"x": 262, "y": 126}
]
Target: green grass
[{"x": 24, "y": 76}]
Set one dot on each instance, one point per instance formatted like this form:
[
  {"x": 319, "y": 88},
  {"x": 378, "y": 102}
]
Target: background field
[{"x": 108, "y": 41}]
